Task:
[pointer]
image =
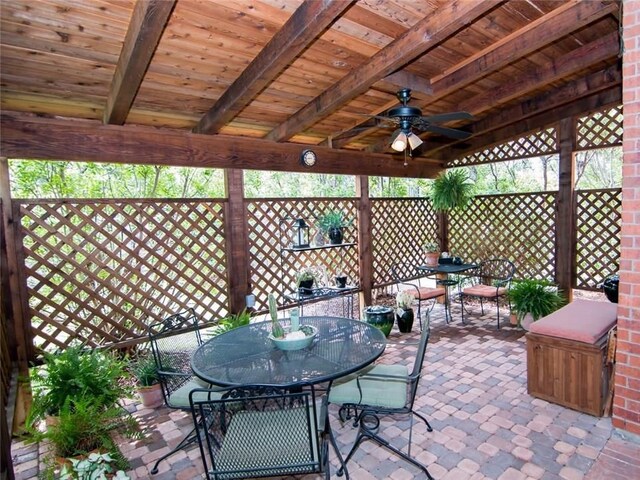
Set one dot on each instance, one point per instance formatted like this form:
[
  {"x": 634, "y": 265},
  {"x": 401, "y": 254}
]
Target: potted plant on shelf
[
  {"x": 404, "y": 312},
  {"x": 431, "y": 253},
  {"x": 533, "y": 299},
  {"x": 332, "y": 224},
  {"x": 452, "y": 190},
  {"x": 305, "y": 278},
  {"x": 148, "y": 382}
]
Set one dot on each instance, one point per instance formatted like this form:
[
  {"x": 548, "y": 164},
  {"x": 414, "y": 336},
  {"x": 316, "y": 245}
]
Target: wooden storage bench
[{"x": 566, "y": 353}]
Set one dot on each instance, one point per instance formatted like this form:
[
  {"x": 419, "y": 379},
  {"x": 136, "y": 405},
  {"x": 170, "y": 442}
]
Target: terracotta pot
[
  {"x": 151, "y": 397},
  {"x": 431, "y": 258},
  {"x": 513, "y": 319}
]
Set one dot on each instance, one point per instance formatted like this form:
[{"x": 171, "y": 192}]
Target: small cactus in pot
[{"x": 276, "y": 329}]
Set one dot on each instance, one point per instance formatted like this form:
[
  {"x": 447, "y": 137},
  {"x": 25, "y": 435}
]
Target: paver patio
[{"x": 474, "y": 393}]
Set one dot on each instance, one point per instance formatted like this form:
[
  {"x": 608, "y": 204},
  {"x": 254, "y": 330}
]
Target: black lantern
[{"x": 300, "y": 234}]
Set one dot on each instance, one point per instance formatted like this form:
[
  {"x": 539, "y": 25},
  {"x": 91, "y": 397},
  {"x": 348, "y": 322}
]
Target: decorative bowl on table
[{"x": 295, "y": 340}]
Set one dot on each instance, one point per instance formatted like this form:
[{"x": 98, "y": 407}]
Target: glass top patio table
[
  {"x": 448, "y": 267},
  {"x": 246, "y": 355}
]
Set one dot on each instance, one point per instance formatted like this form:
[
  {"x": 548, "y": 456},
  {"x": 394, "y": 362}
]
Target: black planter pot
[
  {"x": 610, "y": 288},
  {"x": 341, "y": 281},
  {"x": 405, "y": 321},
  {"x": 380, "y": 317},
  {"x": 336, "y": 235},
  {"x": 305, "y": 286}
]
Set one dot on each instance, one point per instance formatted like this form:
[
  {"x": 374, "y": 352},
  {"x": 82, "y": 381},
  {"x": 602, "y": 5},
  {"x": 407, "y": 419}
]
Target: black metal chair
[
  {"x": 381, "y": 390},
  {"x": 407, "y": 274},
  {"x": 262, "y": 431},
  {"x": 489, "y": 282},
  {"x": 173, "y": 341}
]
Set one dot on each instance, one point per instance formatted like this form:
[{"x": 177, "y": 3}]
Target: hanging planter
[{"x": 452, "y": 190}]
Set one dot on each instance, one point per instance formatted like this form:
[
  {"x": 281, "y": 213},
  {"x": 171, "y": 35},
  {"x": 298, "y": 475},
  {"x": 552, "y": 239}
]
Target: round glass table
[{"x": 246, "y": 355}]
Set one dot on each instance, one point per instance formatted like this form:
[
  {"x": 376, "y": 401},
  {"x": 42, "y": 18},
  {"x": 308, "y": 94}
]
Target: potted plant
[
  {"x": 404, "y": 311},
  {"x": 305, "y": 279},
  {"x": 533, "y": 299},
  {"x": 148, "y": 382},
  {"x": 452, "y": 190},
  {"x": 431, "y": 253},
  {"x": 332, "y": 224},
  {"x": 341, "y": 279}
]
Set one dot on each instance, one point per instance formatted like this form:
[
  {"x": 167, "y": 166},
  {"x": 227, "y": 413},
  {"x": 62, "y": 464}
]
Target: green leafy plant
[
  {"x": 306, "y": 274},
  {"x": 537, "y": 297},
  {"x": 333, "y": 219},
  {"x": 75, "y": 374},
  {"x": 233, "y": 321},
  {"x": 96, "y": 466},
  {"x": 452, "y": 190},
  {"x": 431, "y": 247},
  {"x": 404, "y": 300},
  {"x": 145, "y": 371}
]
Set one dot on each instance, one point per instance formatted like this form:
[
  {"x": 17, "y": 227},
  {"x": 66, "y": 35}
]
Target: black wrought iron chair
[
  {"x": 381, "y": 390},
  {"x": 173, "y": 341},
  {"x": 262, "y": 431},
  {"x": 408, "y": 275},
  {"x": 489, "y": 282}
]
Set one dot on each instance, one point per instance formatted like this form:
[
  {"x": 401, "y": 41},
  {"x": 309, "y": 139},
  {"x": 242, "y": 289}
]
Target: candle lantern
[{"x": 300, "y": 234}]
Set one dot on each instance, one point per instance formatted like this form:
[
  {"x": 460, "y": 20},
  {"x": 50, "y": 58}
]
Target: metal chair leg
[{"x": 192, "y": 437}]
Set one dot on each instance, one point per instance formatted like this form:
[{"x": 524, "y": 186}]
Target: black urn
[{"x": 610, "y": 287}]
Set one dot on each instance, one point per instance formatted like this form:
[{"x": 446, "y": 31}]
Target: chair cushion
[
  {"x": 380, "y": 392},
  {"x": 582, "y": 320},
  {"x": 485, "y": 291},
  {"x": 180, "y": 397},
  {"x": 266, "y": 439},
  {"x": 425, "y": 293}
]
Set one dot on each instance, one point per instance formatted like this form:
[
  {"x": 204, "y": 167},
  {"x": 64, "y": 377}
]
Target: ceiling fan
[{"x": 407, "y": 118}]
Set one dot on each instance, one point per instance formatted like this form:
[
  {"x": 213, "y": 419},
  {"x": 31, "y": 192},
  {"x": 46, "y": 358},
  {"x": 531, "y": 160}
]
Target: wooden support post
[
  {"x": 565, "y": 215},
  {"x": 237, "y": 242},
  {"x": 364, "y": 238}
]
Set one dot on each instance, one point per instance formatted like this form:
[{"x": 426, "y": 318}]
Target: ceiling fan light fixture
[
  {"x": 414, "y": 140},
  {"x": 399, "y": 141}
]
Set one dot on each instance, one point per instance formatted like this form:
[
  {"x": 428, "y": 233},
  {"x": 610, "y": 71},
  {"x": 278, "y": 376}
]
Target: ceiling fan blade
[
  {"x": 379, "y": 117},
  {"x": 448, "y": 132},
  {"x": 447, "y": 117}
]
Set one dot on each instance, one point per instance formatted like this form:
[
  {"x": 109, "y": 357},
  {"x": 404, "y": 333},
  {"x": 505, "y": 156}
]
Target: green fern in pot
[
  {"x": 536, "y": 297},
  {"x": 452, "y": 190}
]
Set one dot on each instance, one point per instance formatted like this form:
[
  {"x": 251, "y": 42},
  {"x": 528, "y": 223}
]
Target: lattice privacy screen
[
  {"x": 534, "y": 144},
  {"x": 600, "y": 129},
  {"x": 519, "y": 227},
  {"x": 270, "y": 222},
  {"x": 598, "y": 223},
  {"x": 400, "y": 228},
  {"x": 98, "y": 272}
]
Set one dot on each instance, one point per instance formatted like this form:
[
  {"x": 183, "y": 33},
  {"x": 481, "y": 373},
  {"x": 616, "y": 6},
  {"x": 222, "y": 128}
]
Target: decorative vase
[
  {"x": 380, "y": 317},
  {"x": 151, "y": 397},
  {"x": 405, "y": 320},
  {"x": 431, "y": 258},
  {"x": 336, "y": 235},
  {"x": 341, "y": 281},
  {"x": 305, "y": 286}
]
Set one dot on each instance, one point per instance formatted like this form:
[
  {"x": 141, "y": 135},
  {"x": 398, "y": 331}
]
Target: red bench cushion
[{"x": 582, "y": 320}]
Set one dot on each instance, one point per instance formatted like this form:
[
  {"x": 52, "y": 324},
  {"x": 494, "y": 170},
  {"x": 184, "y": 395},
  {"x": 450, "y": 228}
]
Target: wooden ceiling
[{"x": 296, "y": 72}]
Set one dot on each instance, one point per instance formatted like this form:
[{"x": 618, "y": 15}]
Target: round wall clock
[{"x": 308, "y": 158}]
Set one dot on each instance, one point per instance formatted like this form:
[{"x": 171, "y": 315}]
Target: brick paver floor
[{"x": 473, "y": 391}]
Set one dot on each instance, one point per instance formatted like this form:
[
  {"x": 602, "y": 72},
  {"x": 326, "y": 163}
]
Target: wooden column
[
  {"x": 565, "y": 223},
  {"x": 364, "y": 238},
  {"x": 237, "y": 242}
]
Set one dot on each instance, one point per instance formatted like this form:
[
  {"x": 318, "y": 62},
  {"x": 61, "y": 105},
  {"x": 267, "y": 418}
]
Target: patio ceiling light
[
  {"x": 399, "y": 140},
  {"x": 414, "y": 140}
]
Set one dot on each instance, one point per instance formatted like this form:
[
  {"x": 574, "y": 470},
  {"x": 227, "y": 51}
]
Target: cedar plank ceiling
[{"x": 310, "y": 72}]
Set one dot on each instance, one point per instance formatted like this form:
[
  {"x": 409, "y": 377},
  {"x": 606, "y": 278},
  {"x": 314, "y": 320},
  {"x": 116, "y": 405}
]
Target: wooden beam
[
  {"x": 302, "y": 28},
  {"x": 364, "y": 238},
  {"x": 543, "y": 31},
  {"x": 145, "y": 29},
  {"x": 602, "y": 49},
  {"x": 423, "y": 36},
  {"x": 403, "y": 79},
  {"x": 54, "y": 139},
  {"x": 565, "y": 230},
  {"x": 612, "y": 96},
  {"x": 237, "y": 243}
]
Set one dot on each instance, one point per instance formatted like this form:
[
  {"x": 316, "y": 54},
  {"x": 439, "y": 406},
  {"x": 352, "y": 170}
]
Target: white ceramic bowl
[{"x": 295, "y": 343}]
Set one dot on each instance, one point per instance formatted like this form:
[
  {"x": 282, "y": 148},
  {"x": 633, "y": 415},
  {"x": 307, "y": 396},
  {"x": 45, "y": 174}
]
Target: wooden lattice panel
[
  {"x": 274, "y": 270},
  {"x": 99, "y": 271},
  {"x": 542, "y": 142},
  {"x": 600, "y": 129},
  {"x": 518, "y": 227},
  {"x": 598, "y": 223},
  {"x": 400, "y": 228}
]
